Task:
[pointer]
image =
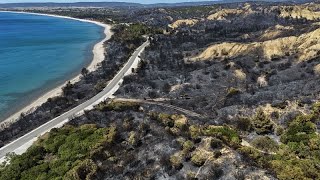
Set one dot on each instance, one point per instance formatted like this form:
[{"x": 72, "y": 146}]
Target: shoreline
[{"x": 97, "y": 57}]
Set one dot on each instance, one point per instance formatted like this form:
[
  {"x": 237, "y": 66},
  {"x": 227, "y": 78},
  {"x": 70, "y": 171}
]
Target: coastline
[{"x": 98, "y": 56}]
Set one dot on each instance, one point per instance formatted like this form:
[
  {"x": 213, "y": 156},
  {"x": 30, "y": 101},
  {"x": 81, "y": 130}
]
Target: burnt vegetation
[{"x": 251, "y": 70}]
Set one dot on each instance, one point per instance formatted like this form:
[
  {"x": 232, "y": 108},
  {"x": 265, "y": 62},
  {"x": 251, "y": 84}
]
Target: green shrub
[
  {"x": 265, "y": 143},
  {"x": 180, "y": 121},
  {"x": 188, "y": 146},
  {"x": 224, "y": 133},
  {"x": 87, "y": 170},
  {"x": 175, "y": 131},
  {"x": 232, "y": 91},
  {"x": 315, "y": 115},
  {"x": 199, "y": 157},
  {"x": 316, "y": 108},
  {"x": 216, "y": 143},
  {"x": 195, "y": 131},
  {"x": 132, "y": 138},
  {"x": 118, "y": 106},
  {"x": 191, "y": 175},
  {"x": 244, "y": 124},
  {"x": 279, "y": 131},
  {"x": 165, "y": 119},
  {"x": 262, "y": 123},
  {"x": 300, "y": 130},
  {"x": 259, "y": 158},
  {"x": 296, "y": 169},
  {"x": 176, "y": 161}
]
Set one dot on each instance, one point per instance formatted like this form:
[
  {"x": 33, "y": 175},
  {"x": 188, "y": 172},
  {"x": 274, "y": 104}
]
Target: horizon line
[{"x": 111, "y": 2}]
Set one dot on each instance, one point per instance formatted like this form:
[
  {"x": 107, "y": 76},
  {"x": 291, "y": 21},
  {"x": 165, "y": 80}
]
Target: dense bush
[
  {"x": 244, "y": 124},
  {"x": 132, "y": 34},
  {"x": 118, "y": 106},
  {"x": 300, "y": 130},
  {"x": 176, "y": 161},
  {"x": 226, "y": 134},
  {"x": 62, "y": 154},
  {"x": 262, "y": 123},
  {"x": 265, "y": 143},
  {"x": 299, "y": 155},
  {"x": 199, "y": 157},
  {"x": 216, "y": 143}
]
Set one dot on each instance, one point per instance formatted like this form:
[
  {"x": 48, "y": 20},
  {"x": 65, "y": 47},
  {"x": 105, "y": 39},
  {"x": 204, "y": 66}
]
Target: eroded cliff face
[
  {"x": 186, "y": 22},
  {"x": 304, "y": 47},
  {"x": 223, "y": 14},
  {"x": 308, "y": 11}
]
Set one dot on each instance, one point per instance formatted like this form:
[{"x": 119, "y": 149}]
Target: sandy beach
[{"x": 98, "y": 56}]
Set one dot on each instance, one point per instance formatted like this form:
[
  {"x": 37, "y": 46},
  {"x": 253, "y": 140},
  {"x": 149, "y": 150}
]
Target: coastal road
[{"x": 21, "y": 144}]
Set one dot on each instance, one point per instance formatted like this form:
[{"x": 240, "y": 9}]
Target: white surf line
[{"x": 98, "y": 56}]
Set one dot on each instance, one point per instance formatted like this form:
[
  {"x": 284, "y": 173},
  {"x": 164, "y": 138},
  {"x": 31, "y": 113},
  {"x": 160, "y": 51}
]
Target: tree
[
  {"x": 262, "y": 123},
  {"x": 84, "y": 72},
  {"x": 244, "y": 124},
  {"x": 67, "y": 90},
  {"x": 166, "y": 87},
  {"x": 265, "y": 143},
  {"x": 153, "y": 94}
]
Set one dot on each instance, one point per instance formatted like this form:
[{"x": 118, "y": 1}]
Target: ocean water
[{"x": 38, "y": 53}]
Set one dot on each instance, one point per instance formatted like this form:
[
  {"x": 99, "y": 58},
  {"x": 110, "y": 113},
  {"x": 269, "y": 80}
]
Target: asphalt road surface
[{"x": 22, "y": 143}]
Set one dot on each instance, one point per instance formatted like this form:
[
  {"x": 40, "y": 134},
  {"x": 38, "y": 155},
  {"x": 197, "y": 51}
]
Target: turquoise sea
[{"x": 38, "y": 53}]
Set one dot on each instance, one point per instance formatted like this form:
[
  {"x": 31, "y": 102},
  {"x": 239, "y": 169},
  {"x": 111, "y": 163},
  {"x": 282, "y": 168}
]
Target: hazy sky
[{"x": 137, "y": 1}]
